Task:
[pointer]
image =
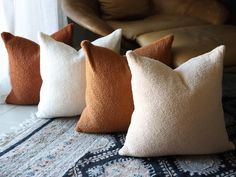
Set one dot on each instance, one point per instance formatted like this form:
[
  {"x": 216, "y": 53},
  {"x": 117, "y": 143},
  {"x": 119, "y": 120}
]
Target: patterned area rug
[{"x": 53, "y": 148}]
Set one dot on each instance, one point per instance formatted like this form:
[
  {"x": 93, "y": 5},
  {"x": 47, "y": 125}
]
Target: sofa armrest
[
  {"x": 211, "y": 11},
  {"x": 86, "y": 14}
]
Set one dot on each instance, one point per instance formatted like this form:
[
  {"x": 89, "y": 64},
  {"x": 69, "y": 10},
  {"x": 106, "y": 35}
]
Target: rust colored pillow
[
  {"x": 120, "y": 9},
  {"x": 109, "y": 102},
  {"x": 24, "y": 64}
]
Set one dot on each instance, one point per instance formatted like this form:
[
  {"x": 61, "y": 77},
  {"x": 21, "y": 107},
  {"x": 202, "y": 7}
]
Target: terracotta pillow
[
  {"x": 24, "y": 58},
  {"x": 118, "y": 9},
  {"x": 109, "y": 102}
]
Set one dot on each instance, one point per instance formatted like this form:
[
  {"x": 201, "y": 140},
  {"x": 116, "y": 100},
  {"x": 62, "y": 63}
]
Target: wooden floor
[{"x": 12, "y": 116}]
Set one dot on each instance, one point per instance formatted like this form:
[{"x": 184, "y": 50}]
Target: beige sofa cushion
[
  {"x": 131, "y": 29},
  {"x": 193, "y": 41}
]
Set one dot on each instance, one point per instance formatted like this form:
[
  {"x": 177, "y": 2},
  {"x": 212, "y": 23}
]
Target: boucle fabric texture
[
  {"x": 109, "y": 102},
  {"x": 177, "y": 111},
  {"x": 62, "y": 70},
  {"x": 24, "y": 64}
]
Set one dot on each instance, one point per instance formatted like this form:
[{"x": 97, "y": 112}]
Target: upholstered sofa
[{"x": 197, "y": 25}]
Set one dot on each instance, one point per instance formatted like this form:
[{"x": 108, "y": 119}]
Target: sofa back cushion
[
  {"x": 119, "y": 9},
  {"x": 211, "y": 11}
]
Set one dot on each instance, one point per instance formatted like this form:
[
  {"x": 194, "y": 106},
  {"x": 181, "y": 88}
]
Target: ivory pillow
[
  {"x": 109, "y": 102},
  {"x": 177, "y": 111},
  {"x": 62, "y": 69}
]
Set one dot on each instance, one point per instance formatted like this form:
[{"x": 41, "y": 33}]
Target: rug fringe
[{"x": 14, "y": 131}]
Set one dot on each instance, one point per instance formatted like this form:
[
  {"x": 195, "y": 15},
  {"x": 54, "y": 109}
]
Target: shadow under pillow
[
  {"x": 24, "y": 66},
  {"x": 109, "y": 102}
]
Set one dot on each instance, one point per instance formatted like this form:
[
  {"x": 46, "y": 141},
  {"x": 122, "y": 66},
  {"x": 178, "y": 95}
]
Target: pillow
[
  {"x": 177, "y": 111},
  {"x": 24, "y": 58},
  {"x": 62, "y": 70},
  {"x": 109, "y": 102},
  {"x": 120, "y": 9}
]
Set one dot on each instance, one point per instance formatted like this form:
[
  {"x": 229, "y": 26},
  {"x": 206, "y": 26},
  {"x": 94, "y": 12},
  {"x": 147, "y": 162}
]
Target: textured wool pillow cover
[
  {"x": 62, "y": 70},
  {"x": 177, "y": 111},
  {"x": 109, "y": 103},
  {"x": 24, "y": 62},
  {"x": 118, "y": 9}
]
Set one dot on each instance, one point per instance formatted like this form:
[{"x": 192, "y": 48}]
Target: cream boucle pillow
[
  {"x": 62, "y": 69},
  {"x": 177, "y": 111}
]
